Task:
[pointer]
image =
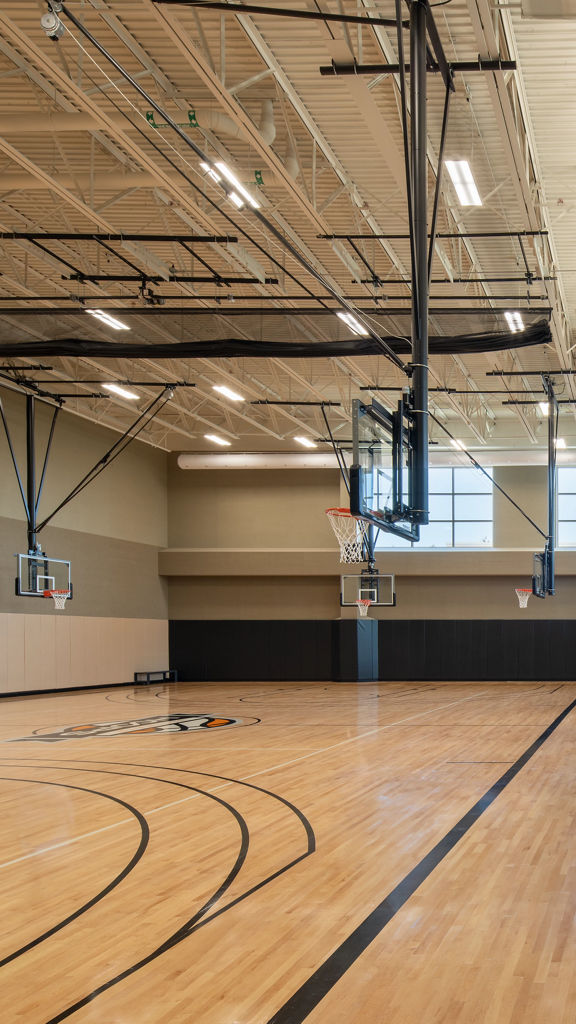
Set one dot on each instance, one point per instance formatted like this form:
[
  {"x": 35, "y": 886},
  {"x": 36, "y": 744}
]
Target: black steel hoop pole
[{"x": 418, "y": 18}]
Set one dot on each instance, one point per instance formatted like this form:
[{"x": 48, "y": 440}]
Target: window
[
  {"x": 461, "y": 514},
  {"x": 566, "y": 507}
]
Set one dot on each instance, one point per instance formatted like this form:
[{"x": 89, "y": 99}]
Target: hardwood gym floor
[{"x": 312, "y": 859}]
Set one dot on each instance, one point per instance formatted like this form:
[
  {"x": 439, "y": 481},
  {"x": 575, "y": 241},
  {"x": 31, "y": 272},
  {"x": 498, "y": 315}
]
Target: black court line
[
  {"x": 202, "y": 916},
  {"x": 144, "y": 839},
  {"x": 311, "y": 993}
]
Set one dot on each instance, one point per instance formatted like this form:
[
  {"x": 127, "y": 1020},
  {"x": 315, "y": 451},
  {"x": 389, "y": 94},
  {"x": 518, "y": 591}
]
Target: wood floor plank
[{"x": 272, "y": 839}]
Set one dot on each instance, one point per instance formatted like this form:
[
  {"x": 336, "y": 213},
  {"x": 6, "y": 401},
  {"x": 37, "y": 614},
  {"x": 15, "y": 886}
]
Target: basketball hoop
[
  {"x": 349, "y": 534},
  {"x": 363, "y": 604},
  {"x": 522, "y": 593},
  {"x": 60, "y": 597}
]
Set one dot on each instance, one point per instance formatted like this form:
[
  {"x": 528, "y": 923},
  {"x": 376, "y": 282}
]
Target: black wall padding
[
  {"x": 465, "y": 344},
  {"x": 475, "y": 650},
  {"x": 273, "y": 650},
  {"x": 479, "y": 650}
]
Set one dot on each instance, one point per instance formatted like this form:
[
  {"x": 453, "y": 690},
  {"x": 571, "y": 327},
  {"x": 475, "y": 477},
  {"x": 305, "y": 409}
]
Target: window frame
[{"x": 383, "y": 544}]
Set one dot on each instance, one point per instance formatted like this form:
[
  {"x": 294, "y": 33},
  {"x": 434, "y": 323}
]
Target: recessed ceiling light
[
  {"x": 110, "y": 321},
  {"x": 458, "y": 444},
  {"x": 463, "y": 181},
  {"x": 543, "y": 408},
  {"x": 218, "y": 440},
  {"x": 560, "y": 442},
  {"x": 122, "y": 392},
  {"x": 514, "y": 321},
  {"x": 231, "y": 177},
  {"x": 354, "y": 324},
  {"x": 306, "y": 442},
  {"x": 227, "y": 392}
]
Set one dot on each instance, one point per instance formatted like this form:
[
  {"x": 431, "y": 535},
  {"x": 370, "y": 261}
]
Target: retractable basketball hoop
[
  {"x": 350, "y": 534},
  {"x": 523, "y": 593},
  {"x": 59, "y": 596},
  {"x": 363, "y": 604}
]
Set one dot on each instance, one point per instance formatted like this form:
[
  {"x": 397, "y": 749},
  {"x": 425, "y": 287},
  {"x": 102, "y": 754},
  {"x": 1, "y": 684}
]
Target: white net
[
  {"x": 349, "y": 534},
  {"x": 59, "y": 597},
  {"x": 523, "y": 596},
  {"x": 363, "y": 605}
]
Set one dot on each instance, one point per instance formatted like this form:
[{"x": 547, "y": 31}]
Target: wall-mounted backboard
[
  {"x": 375, "y": 587},
  {"x": 38, "y": 573}
]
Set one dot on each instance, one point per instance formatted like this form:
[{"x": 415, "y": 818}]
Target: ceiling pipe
[{"x": 207, "y": 117}]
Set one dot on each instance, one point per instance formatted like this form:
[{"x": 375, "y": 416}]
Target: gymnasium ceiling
[{"x": 82, "y": 153}]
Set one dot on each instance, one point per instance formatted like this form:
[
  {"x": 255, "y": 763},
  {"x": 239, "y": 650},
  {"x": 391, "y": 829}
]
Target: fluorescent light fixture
[
  {"x": 110, "y": 321},
  {"x": 306, "y": 442},
  {"x": 560, "y": 442},
  {"x": 240, "y": 190},
  {"x": 354, "y": 324},
  {"x": 543, "y": 408},
  {"x": 236, "y": 200},
  {"x": 514, "y": 321},
  {"x": 210, "y": 171},
  {"x": 218, "y": 440},
  {"x": 227, "y": 392},
  {"x": 458, "y": 444},
  {"x": 122, "y": 392},
  {"x": 463, "y": 181}
]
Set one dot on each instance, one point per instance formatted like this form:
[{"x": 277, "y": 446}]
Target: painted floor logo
[{"x": 133, "y": 726}]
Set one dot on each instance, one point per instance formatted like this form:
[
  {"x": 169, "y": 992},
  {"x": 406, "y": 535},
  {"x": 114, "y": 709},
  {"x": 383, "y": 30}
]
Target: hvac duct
[{"x": 207, "y": 117}]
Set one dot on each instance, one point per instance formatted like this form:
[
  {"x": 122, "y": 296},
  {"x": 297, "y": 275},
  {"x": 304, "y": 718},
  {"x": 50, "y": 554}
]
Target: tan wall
[
  {"x": 127, "y": 501},
  {"x": 528, "y": 487},
  {"x": 418, "y": 597},
  {"x": 245, "y": 597},
  {"x": 58, "y": 651},
  {"x": 111, "y": 533},
  {"x": 255, "y": 544},
  {"x": 110, "y": 577},
  {"x": 251, "y": 508}
]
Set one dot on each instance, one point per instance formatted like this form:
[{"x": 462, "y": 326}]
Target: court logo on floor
[{"x": 133, "y": 726}]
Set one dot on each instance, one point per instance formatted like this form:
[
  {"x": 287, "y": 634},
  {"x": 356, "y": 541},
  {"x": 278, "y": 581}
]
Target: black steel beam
[
  {"x": 466, "y": 66},
  {"x": 281, "y": 12},
  {"x": 533, "y": 401},
  {"x": 379, "y": 310},
  {"x": 31, "y": 474},
  {"x": 463, "y": 280},
  {"x": 75, "y": 236},
  {"x": 54, "y": 255},
  {"x": 176, "y": 279},
  {"x": 444, "y": 67},
  {"x": 442, "y": 234},
  {"x": 527, "y": 373},
  {"x": 268, "y": 401},
  {"x": 134, "y": 383},
  {"x": 419, "y": 498},
  {"x": 438, "y": 186}
]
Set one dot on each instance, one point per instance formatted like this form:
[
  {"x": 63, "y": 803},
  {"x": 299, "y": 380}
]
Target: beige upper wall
[
  {"x": 111, "y": 577},
  {"x": 128, "y": 501},
  {"x": 251, "y": 508},
  {"x": 527, "y": 485},
  {"x": 285, "y": 508}
]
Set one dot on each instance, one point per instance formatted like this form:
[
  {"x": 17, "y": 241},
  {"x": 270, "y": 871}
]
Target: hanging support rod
[{"x": 282, "y": 12}]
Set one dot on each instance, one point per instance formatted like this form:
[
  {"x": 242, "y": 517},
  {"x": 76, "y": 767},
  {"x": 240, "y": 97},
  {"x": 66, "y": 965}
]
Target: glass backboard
[
  {"x": 38, "y": 573},
  {"x": 375, "y": 587},
  {"x": 380, "y": 475}
]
